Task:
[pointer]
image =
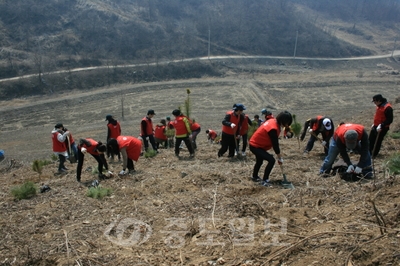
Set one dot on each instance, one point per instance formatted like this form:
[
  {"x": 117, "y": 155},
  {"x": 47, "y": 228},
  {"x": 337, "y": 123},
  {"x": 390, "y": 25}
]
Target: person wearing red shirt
[
  {"x": 211, "y": 135},
  {"x": 349, "y": 137},
  {"x": 130, "y": 148},
  {"x": 97, "y": 150},
  {"x": 195, "y": 127},
  {"x": 147, "y": 130},
  {"x": 182, "y": 132},
  {"x": 113, "y": 131},
  {"x": 382, "y": 120},
  {"x": 265, "y": 138}
]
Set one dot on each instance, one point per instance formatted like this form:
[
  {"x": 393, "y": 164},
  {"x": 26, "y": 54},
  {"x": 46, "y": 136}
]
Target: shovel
[{"x": 285, "y": 183}]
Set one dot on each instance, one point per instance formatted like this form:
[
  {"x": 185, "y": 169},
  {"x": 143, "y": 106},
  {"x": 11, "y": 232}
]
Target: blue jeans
[{"x": 333, "y": 152}]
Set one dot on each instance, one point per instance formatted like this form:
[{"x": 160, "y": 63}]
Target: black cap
[
  {"x": 377, "y": 97},
  {"x": 150, "y": 112},
  {"x": 58, "y": 125},
  {"x": 108, "y": 117},
  {"x": 176, "y": 112}
]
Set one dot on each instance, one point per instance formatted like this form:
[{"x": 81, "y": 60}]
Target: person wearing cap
[
  {"x": 265, "y": 138},
  {"x": 319, "y": 125},
  {"x": 231, "y": 129},
  {"x": 97, "y": 150},
  {"x": 113, "y": 131},
  {"x": 130, "y": 148},
  {"x": 267, "y": 114},
  {"x": 349, "y": 137},
  {"x": 59, "y": 137},
  {"x": 147, "y": 130},
  {"x": 382, "y": 120}
]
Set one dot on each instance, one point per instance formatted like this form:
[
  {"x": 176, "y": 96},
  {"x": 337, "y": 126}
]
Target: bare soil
[{"x": 203, "y": 211}]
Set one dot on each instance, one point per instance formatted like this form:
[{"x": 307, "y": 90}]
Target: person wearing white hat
[{"x": 319, "y": 125}]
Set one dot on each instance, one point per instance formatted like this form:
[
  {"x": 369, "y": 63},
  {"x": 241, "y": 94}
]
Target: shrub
[
  {"x": 98, "y": 192},
  {"x": 296, "y": 128},
  {"x": 25, "y": 191},
  {"x": 252, "y": 129},
  {"x": 393, "y": 163},
  {"x": 150, "y": 153},
  {"x": 395, "y": 135}
]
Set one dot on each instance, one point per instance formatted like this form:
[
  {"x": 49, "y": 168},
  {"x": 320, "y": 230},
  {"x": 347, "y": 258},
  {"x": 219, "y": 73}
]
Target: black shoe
[{"x": 256, "y": 179}]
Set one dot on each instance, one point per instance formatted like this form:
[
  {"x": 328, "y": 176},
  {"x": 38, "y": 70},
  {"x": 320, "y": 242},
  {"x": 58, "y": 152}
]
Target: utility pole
[
  {"x": 394, "y": 47},
  {"x": 295, "y": 44},
  {"x": 209, "y": 42}
]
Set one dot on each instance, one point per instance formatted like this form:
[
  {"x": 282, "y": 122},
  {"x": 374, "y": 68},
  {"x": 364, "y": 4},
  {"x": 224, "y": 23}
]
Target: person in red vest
[
  {"x": 130, "y": 148},
  {"x": 159, "y": 134},
  {"x": 267, "y": 114},
  {"x": 349, "y": 137},
  {"x": 196, "y": 128},
  {"x": 211, "y": 135},
  {"x": 59, "y": 136},
  {"x": 382, "y": 120},
  {"x": 319, "y": 125},
  {"x": 182, "y": 132},
  {"x": 113, "y": 131},
  {"x": 231, "y": 129},
  {"x": 243, "y": 134},
  {"x": 97, "y": 150},
  {"x": 265, "y": 138},
  {"x": 147, "y": 130}
]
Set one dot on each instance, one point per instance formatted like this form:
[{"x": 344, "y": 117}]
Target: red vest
[
  {"x": 245, "y": 126},
  {"x": 149, "y": 127},
  {"x": 57, "y": 145},
  {"x": 180, "y": 126},
  {"x": 195, "y": 126},
  {"x": 341, "y": 130},
  {"x": 380, "y": 114},
  {"x": 132, "y": 144},
  {"x": 260, "y": 138},
  {"x": 234, "y": 119},
  {"x": 159, "y": 132},
  {"x": 92, "y": 148},
  {"x": 315, "y": 125},
  {"x": 212, "y": 134},
  {"x": 115, "y": 130}
]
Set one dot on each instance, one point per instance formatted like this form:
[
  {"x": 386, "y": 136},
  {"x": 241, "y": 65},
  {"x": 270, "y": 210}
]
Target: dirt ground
[{"x": 203, "y": 211}]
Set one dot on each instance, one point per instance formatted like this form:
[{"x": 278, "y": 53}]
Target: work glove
[
  {"x": 358, "y": 170},
  {"x": 379, "y": 128},
  {"x": 83, "y": 150},
  {"x": 233, "y": 125},
  {"x": 350, "y": 169},
  {"x": 323, "y": 143},
  {"x": 124, "y": 172},
  {"x": 280, "y": 161},
  {"x": 110, "y": 173},
  {"x": 311, "y": 131}
]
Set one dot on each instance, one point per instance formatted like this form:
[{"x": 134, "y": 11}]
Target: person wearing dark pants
[
  {"x": 265, "y": 138},
  {"x": 97, "y": 150},
  {"x": 382, "y": 120},
  {"x": 59, "y": 136},
  {"x": 182, "y": 132},
  {"x": 147, "y": 130},
  {"x": 231, "y": 129}
]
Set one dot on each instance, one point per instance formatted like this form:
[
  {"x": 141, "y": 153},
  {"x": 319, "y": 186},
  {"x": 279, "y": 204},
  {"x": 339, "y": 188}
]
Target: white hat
[{"x": 327, "y": 123}]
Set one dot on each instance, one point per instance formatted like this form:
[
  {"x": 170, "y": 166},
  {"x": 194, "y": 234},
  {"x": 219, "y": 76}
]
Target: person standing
[
  {"x": 147, "y": 130},
  {"x": 267, "y": 114},
  {"x": 59, "y": 136},
  {"x": 159, "y": 134},
  {"x": 265, "y": 138},
  {"x": 231, "y": 129},
  {"x": 349, "y": 137},
  {"x": 130, "y": 148},
  {"x": 382, "y": 120},
  {"x": 196, "y": 128},
  {"x": 319, "y": 125},
  {"x": 258, "y": 120},
  {"x": 182, "y": 132},
  {"x": 97, "y": 150},
  {"x": 113, "y": 131},
  {"x": 244, "y": 129}
]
